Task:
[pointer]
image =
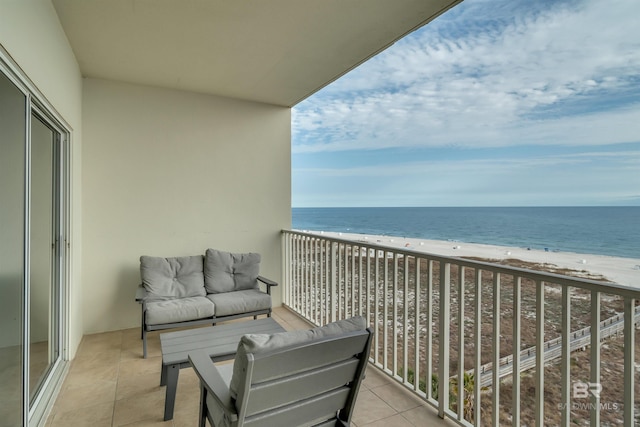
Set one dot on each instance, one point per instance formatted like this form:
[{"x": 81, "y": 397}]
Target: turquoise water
[{"x": 613, "y": 231}]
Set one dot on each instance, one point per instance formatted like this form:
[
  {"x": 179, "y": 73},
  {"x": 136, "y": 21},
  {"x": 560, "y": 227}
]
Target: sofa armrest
[
  {"x": 267, "y": 282},
  {"x": 141, "y": 294}
]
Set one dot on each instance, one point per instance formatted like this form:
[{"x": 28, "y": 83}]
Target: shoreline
[{"x": 623, "y": 271}]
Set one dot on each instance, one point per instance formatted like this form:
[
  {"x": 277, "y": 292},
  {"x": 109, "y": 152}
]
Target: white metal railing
[{"x": 429, "y": 324}]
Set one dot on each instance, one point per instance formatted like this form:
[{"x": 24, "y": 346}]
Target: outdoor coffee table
[{"x": 221, "y": 342}]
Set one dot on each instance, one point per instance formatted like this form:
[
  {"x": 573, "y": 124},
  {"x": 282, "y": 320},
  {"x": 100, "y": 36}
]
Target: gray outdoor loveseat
[{"x": 198, "y": 290}]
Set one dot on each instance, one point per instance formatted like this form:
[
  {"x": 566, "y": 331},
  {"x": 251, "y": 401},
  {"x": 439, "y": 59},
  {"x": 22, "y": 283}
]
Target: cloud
[
  {"x": 489, "y": 75},
  {"x": 580, "y": 178},
  {"x": 499, "y": 166}
]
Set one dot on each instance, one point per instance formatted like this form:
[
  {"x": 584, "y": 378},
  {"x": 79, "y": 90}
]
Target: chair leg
[
  {"x": 144, "y": 343},
  {"x": 203, "y": 407}
]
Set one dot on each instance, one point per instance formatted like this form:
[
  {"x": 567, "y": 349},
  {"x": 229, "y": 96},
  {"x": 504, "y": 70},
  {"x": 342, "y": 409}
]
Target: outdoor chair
[{"x": 298, "y": 378}]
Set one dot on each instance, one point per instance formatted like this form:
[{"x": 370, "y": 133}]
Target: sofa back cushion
[
  {"x": 228, "y": 272},
  {"x": 178, "y": 277},
  {"x": 262, "y": 343}
]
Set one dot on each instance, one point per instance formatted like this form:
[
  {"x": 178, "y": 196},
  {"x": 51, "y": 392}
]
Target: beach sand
[{"x": 624, "y": 271}]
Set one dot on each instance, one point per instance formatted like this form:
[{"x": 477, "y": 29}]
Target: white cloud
[
  {"x": 535, "y": 80},
  {"x": 584, "y": 178},
  {"x": 499, "y": 167}
]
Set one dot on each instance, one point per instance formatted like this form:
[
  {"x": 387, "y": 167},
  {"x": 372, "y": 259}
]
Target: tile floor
[{"x": 110, "y": 384}]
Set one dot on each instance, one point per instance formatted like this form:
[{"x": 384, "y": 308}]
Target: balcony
[
  {"x": 573, "y": 340},
  {"x": 588, "y": 378},
  {"x": 109, "y": 384}
]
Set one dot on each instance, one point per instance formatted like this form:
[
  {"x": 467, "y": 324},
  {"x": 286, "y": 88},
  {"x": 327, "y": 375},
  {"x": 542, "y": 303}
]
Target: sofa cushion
[
  {"x": 262, "y": 343},
  {"x": 178, "y": 277},
  {"x": 228, "y": 272},
  {"x": 179, "y": 310},
  {"x": 238, "y": 302}
]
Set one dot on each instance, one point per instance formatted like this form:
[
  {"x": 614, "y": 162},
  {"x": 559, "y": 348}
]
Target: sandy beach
[{"x": 624, "y": 271}]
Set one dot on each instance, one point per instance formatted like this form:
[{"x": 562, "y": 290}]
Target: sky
[{"x": 494, "y": 103}]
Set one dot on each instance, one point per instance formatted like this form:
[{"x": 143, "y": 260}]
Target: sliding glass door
[
  {"x": 44, "y": 229},
  {"x": 13, "y": 105},
  {"x": 33, "y": 235}
]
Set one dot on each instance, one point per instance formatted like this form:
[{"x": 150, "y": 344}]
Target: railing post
[
  {"x": 595, "y": 357},
  {"x": 444, "y": 338},
  {"x": 296, "y": 279},
  {"x": 376, "y": 283},
  {"x": 477, "y": 406},
  {"x": 286, "y": 264},
  {"x": 394, "y": 315},
  {"x": 353, "y": 281},
  {"x": 495, "y": 399},
  {"x": 307, "y": 298},
  {"x": 539, "y": 353},
  {"x": 461, "y": 338},
  {"x": 317, "y": 289},
  {"x": 429, "y": 338},
  {"x": 344, "y": 282},
  {"x": 360, "y": 282},
  {"x": 566, "y": 357},
  {"x": 368, "y": 286},
  {"x": 339, "y": 286},
  {"x": 629, "y": 360},
  {"x": 385, "y": 311},
  {"x": 333, "y": 278},
  {"x": 326, "y": 318},
  {"x": 405, "y": 318},
  {"x": 517, "y": 339},
  {"x": 416, "y": 327},
  {"x": 293, "y": 270}
]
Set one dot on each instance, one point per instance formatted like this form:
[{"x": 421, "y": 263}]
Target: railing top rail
[{"x": 551, "y": 278}]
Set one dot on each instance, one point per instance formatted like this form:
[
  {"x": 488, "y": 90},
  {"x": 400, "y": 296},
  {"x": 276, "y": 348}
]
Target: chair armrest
[
  {"x": 211, "y": 379},
  {"x": 267, "y": 282},
  {"x": 141, "y": 294}
]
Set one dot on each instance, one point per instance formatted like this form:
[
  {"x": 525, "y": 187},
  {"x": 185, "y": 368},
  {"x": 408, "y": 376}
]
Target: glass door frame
[
  {"x": 33, "y": 413},
  {"x": 40, "y": 402}
]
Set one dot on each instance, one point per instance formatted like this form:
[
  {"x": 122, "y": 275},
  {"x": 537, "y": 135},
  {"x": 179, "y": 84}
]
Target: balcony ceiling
[{"x": 276, "y": 51}]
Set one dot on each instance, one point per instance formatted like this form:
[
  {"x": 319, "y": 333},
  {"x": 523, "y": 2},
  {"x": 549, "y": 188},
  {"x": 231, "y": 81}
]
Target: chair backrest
[{"x": 312, "y": 383}]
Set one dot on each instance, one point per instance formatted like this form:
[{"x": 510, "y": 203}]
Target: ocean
[{"x": 613, "y": 231}]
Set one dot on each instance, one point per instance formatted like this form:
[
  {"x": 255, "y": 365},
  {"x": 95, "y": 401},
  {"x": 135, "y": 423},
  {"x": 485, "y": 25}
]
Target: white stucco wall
[
  {"x": 172, "y": 173},
  {"x": 31, "y": 33}
]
